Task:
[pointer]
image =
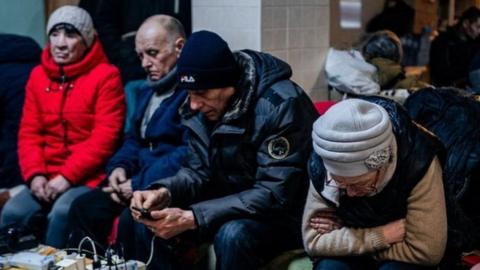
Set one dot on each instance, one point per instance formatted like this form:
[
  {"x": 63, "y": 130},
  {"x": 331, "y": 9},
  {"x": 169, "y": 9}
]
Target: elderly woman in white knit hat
[
  {"x": 376, "y": 197},
  {"x": 71, "y": 123}
]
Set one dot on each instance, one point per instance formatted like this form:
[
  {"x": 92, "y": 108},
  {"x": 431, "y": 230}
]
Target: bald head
[
  {"x": 158, "y": 43},
  {"x": 163, "y": 24}
]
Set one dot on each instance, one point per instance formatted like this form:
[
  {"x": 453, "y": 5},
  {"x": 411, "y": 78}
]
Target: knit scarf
[{"x": 166, "y": 83}]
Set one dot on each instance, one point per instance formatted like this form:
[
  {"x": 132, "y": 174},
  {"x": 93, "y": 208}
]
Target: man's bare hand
[
  {"x": 117, "y": 177},
  {"x": 150, "y": 199},
  {"x": 170, "y": 222}
]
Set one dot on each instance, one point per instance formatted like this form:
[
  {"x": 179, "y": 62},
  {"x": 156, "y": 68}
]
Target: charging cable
[
  {"x": 95, "y": 255},
  {"x": 152, "y": 248}
]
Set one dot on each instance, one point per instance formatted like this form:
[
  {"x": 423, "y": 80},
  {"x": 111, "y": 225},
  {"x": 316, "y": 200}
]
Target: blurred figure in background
[
  {"x": 373, "y": 69},
  {"x": 452, "y": 51},
  {"x": 383, "y": 49},
  {"x": 18, "y": 56},
  {"x": 71, "y": 124}
]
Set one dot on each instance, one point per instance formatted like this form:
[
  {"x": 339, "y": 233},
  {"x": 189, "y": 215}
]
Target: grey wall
[{"x": 23, "y": 17}]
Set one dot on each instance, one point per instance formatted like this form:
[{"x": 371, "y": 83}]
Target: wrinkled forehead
[{"x": 151, "y": 35}]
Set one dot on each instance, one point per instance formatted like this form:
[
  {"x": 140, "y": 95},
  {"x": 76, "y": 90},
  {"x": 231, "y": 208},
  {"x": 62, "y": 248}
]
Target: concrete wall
[
  {"x": 344, "y": 38},
  {"x": 296, "y": 31},
  {"x": 238, "y": 22}
]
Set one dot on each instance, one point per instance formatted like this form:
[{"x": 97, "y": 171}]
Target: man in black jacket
[{"x": 245, "y": 182}]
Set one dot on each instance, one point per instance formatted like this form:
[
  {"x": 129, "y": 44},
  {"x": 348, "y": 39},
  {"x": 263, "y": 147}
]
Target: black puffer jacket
[
  {"x": 18, "y": 56},
  {"x": 252, "y": 164},
  {"x": 454, "y": 116}
]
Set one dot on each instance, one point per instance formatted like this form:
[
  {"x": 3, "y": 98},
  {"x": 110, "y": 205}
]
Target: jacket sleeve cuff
[
  {"x": 376, "y": 239},
  {"x": 199, "y": 220},
  {"x": 165, "y": 182},
  {"x": 70, "y": 178}
]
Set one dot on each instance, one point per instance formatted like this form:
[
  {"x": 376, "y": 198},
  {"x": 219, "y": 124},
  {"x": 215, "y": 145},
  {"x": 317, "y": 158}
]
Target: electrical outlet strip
[
  {"x": 129, "y": 265},
  {"x": 31, "y": 260},
  {"x": 72, "y": 262}
]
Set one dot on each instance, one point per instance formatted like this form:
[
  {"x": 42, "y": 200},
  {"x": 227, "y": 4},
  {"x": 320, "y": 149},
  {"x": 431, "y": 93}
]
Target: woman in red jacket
[{"x": 71, "y": 123}]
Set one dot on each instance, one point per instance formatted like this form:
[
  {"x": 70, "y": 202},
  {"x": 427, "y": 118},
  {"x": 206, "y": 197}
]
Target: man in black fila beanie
[{"x": 245, "y": 182}]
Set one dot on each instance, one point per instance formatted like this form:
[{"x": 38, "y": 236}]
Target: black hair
[
  {"x": 69, "y": 29},
  {"x": 471, "y": 15},
  {"x": 384, "y": 44}
]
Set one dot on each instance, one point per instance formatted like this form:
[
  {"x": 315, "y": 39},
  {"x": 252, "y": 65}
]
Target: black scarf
[{"x": 166, "y": 83}]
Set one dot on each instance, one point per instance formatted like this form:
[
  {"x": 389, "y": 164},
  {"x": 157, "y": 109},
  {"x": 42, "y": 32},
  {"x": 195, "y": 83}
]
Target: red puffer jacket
[{"x": 72, "y": 118}]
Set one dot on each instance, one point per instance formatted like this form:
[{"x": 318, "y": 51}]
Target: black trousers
[{"x": 92, "y": 214}]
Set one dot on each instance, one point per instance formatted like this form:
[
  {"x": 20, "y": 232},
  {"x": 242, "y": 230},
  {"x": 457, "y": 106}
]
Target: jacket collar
[{"x": 94, "y": 56}]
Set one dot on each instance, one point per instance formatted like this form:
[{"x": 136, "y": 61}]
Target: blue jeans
[
  {"x": 364, "y": 263},
  {"x": 239, "y": 244},
  {"x": 22, "y": 209}
]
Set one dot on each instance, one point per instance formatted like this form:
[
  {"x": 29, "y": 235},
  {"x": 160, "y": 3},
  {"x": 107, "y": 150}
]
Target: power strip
[
  {"x": 129, "y": 265},
  {"x": 31, "y": 260}
]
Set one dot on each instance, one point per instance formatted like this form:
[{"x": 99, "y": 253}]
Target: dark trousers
[
  {"x": 92, "y": 214},
  {"x": 239, "y": 244},
  {"x": 365, "y": 263}
]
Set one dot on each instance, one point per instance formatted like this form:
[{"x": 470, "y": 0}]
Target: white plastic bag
[{"x": 348, "y": 72}]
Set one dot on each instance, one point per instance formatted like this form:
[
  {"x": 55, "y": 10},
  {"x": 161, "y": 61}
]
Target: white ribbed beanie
[
  {"x": 75, "y": 16},
  {"x": 353, "y": 137}
]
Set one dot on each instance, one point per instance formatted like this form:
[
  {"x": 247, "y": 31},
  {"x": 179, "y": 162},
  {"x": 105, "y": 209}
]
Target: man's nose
[
  {"x": 146, "y": 62},
  {"x": 195, "y": 103}
]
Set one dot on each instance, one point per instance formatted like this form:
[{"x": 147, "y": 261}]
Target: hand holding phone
[{"x": 144, "y": 213}]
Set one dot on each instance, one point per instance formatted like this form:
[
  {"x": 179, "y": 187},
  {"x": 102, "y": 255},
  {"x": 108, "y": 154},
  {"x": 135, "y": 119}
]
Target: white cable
[
  {"x": 95, "y": 256},
  {"x": 152, "y": 246},
  {"x": 84, "y": 251}
]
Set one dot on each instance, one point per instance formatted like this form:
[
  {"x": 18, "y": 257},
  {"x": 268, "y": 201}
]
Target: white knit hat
[
  {"x": 353, "y": 137},
  {"x": 75, "y": 16}
]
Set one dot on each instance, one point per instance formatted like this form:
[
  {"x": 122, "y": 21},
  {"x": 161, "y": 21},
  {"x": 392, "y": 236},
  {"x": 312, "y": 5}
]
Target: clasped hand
[
  {"x": 326, "y": 221},
  {"x": 46, "y": 190}
]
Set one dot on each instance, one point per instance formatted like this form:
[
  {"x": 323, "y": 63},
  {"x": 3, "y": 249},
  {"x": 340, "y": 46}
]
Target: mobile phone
[{"x": 144, "y": 213}]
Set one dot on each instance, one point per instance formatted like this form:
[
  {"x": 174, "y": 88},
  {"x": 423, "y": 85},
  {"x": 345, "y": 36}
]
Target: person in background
[
  {"x": 373, "y": 69},
  {"x": 245, "y": 180},
  {"x": 383, "y": 49},
  {"x": 71, "y": 124},
  {"x": 18, "y": 56},
  {"x": 453, "y": 50},
  {"x": 376, "y": 198},
  {"x": 155, "y": 149},
  {"x": 474, "y": 76}
]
